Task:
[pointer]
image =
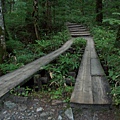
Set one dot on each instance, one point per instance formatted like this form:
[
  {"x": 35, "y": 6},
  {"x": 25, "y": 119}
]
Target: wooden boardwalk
[
  {"x": 11, "y": 80},
  {"x": 91, "y": 87}
]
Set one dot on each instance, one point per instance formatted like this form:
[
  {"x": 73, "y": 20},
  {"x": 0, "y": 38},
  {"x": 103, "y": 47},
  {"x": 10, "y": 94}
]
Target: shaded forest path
[{"x": 91, "y": 87}]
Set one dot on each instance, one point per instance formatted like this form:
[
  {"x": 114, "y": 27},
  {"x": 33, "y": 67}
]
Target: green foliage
[
  {"x": 116, "y": 95},
  {"x": 21, "y": 91},
  {"x": 104, "y": 41},
  {"x": 54, "y": 43},
  {"x": 9, "y": 67},
  {"x": 113, "y": 21},
  {"x": 13, "y": 45},
  {"x": 59, "y": 71},
  {"x": 79, "y": 42}
]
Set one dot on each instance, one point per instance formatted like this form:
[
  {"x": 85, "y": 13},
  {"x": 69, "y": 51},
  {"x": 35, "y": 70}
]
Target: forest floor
[{"x": 25, "y": 108}]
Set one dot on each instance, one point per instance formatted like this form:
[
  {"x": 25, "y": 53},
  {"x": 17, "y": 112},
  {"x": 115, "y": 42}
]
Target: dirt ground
[{"x": 24, "y": 108}]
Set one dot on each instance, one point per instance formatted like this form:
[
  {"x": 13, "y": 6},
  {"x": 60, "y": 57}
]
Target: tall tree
[
  {"x": 35, "y": 17},
  {"x": 99, "y": 16},
  {"x": 2, "y": 36}
]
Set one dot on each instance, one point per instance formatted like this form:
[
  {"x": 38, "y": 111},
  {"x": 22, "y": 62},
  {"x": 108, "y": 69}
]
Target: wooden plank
[
  {"x": 9, "y": 81},
  {"x": 96, "y": 68},
  {"x": 77, "y": 30},
  {"x": 74, "y": 26},
  {"x": 90, "y": 87},
  {"x": 101, "y": 90},
  {"x": 78, "y": 35},
  {"x": 82, "y": 93},
  {"x": 80, "y": 32}
]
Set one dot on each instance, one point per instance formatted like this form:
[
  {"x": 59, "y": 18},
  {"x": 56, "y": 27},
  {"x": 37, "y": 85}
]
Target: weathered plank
[
  {"x": 9, "y": 81},
  {"x": 78, "y": 27},
  {"x": 101, "y": 90},
  {"x": 74, "y": 26},
  {"x": 81, "y": 34},
  {"x": 83, "y": 87},
  {"x": 77, "y": 30},
  {"x": 91, "y": 86},
  {"x": 96, "y": 68}
]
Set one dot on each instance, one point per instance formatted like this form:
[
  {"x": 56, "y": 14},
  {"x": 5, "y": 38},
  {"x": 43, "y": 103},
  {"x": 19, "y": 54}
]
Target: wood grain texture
[
  {"x": 91, "y": 87},
  {"x": 83, "y": 88},
  {"x": 11, "y": 80},
  {"x": 96, "y": 68},
  {"x": 101, "y": 90},
  {"x": 80, "y": 34}
]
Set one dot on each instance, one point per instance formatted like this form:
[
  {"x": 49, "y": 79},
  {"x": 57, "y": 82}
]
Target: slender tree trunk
[
  {"x": 35, "y": 16},
  {"x": 117, "y": 43},
  {"x": 82, "y": 7},
  {"x": 99, "y": 12},
  {"x": 2, "y": 36},
  {"x": 48, "y": 16}
]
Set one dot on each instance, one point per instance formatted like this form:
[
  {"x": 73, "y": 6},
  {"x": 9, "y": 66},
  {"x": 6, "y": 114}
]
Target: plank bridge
[{"x": 91, "y": 85}]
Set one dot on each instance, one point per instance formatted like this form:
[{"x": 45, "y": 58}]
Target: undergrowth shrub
[
  {"x": 105, "y": 45},
  {"x": 68, "y": 62}
]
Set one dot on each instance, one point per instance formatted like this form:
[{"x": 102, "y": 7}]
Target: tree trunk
[
  {"x": 117, "y": 43},
  {"x": 48, "y": 16},
  {"x": 82, "y": 7},
  {"x": 35, "y": 16},
  {"x": 2, "y": 36},
  {"x": 99, "y": 12}
]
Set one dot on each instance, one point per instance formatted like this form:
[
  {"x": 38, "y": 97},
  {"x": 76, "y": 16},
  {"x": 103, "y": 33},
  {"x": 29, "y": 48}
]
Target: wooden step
[
  {"x": 74, "y": 26},
  {"x": 82, "y": 34},
  {"x": 69, "y": 23},
  {"x": 82, "y": 28},
  {"x": 79, "y": 27},
  {"x": 77, "y": 30}
]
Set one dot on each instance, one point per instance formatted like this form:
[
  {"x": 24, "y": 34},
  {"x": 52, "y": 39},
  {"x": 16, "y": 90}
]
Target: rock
[
  {"x": 40, "y": 109},
  {"x": 70, "y": 81},
  {"x": 49, "y": 118},
  {"x": 4, "y": 112},
  {"x": 46, "y": 114},
  {"x": 59, "y": 117},
  {"x": 9, "y": 104},
  {"x": 22, "y": 108},
  {"x": 56, "y": 102},
  {"x": 95, "y": 117},
  {"x": 72, "y": 74},
  {"x": 44, "y": 80},
  {"x": 69, "y": 114},
  {"x": 12, "y": 118},
  {"x": 20, "y": 99},
  {"x": 29, "y": 114}
]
